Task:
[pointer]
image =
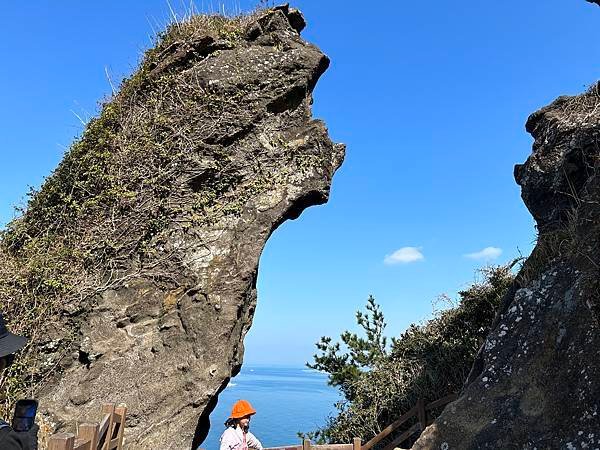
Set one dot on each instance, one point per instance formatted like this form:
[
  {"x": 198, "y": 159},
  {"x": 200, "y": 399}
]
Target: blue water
[{"x": 287, "y": 400}]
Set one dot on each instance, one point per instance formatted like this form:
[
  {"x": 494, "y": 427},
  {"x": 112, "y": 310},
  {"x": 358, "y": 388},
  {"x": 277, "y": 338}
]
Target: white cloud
[
  {"x": 486, "y": 254},
  {"x": 404, "y": 255}
]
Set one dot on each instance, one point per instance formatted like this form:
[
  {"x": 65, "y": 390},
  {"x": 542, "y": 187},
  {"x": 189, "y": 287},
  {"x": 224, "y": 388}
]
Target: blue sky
[{"x": 430, "y": 97}]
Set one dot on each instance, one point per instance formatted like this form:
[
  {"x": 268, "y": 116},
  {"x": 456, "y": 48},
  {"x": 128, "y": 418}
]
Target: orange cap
[{"x": 242, "y": 408}]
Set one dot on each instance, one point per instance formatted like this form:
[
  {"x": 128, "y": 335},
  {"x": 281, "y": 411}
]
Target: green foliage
[
  {"x": 426, "y": 361},
  {"x": 360, "y": 352}
]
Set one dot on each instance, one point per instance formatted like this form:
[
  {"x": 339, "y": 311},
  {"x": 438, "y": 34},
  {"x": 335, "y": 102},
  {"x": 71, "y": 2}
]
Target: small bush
[{"x": 427, "y": 361}]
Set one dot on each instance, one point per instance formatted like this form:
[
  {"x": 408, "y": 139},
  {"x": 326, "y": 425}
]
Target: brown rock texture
[
  {"x": 536, "y": 381},
  {"x": 157, "y": 218}
]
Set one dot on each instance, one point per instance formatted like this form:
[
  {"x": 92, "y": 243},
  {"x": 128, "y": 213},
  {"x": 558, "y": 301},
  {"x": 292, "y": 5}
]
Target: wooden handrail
[
  {"x": 103, "y": 428},
  {"x": 120, "y": 414},
  {"x": 307, "y": 445},
  {"x": 293, "y": 447},
  {"x": 390, "y": 428},
  {"x": 404, "y": 436},
  {"x": 108, "y": 435},
  {"x": 61, "y": 441},
  {"x": 419, "y": 411},
  {"x": 82, "y": 444},
  {"x": 109, "y": 410}
]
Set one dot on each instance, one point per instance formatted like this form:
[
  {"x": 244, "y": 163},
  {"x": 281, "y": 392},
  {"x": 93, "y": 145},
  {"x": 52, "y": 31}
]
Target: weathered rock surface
[
  {"x": 536, "y": 381},
  {"x": 211, "y": 147}
]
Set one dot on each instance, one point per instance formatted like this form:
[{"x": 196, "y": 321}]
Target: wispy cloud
[
  {"x": 486, "y": 254},
  {"x": 404, "y": 255}
]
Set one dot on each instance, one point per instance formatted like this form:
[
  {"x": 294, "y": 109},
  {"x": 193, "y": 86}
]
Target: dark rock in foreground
[
  {"x": 536, "y": 381},
  {"x": 152, "y": 227}
]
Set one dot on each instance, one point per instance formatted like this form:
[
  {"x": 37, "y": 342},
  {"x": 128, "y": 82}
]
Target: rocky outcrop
[
  {"x": 156, "y": 219},
  {"x": 536, "y": 381}
]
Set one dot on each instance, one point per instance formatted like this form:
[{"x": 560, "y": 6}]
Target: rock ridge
[
  {"x": 145, "y": 242},
  {"x": 536, "y": 380}
]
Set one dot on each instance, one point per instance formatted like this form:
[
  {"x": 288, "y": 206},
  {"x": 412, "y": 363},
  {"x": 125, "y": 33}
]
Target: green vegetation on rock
[
  {"x": 429, "y": 361},
  {"x": 152, "y": 163}
]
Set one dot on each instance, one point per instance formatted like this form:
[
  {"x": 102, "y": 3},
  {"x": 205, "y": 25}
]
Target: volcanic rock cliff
[
  {"x": 134, "y": 267},
  {"x": 536, "y": 381}
]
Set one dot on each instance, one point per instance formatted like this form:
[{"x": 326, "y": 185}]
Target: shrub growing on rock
[{"x": 429, "y": 361}]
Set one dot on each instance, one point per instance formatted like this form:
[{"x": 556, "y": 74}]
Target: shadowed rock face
[
  {"x": 536, "y": 381},
  {"x": 223, "y": 115}
]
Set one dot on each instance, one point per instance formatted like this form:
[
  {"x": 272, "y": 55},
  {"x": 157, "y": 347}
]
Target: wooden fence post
[
  {"x": 82, "y": 444},
  {"x": 108, "y": 435},
  {"x": 306, "y": 444},
  {"x": 89, "y": 432},
  {"x": 109, "y": 408},
  {"x": 121, "y": 412},
  {"x": 356, "y": 443},
  {"x": 421, "y": 413},
  {"x": 61, "y": 441}
]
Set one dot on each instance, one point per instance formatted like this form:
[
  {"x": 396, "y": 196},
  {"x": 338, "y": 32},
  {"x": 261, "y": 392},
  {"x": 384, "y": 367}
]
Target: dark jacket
[{"x": 12, "y": 440}]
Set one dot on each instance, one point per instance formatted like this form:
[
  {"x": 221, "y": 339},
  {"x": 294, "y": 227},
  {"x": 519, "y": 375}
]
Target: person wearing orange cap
[{"x": 237, "y": 436}]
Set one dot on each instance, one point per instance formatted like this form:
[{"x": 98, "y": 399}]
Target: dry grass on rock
[{"x": 98, "y": 218}]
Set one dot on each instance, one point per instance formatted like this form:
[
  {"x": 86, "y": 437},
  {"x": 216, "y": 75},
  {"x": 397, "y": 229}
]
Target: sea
[{"x": 288, "y": 400}]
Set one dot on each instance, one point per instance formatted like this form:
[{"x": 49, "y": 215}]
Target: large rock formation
[
  {"x": 536, "y": 381},
  {"x": 144, "y": 244}
]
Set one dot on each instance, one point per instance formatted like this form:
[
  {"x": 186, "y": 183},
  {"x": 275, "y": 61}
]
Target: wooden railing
[
  {"x": 306, "y": 445},
  {"x": 107, "y": 435},
  {"x": 420, "y": 411}
]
